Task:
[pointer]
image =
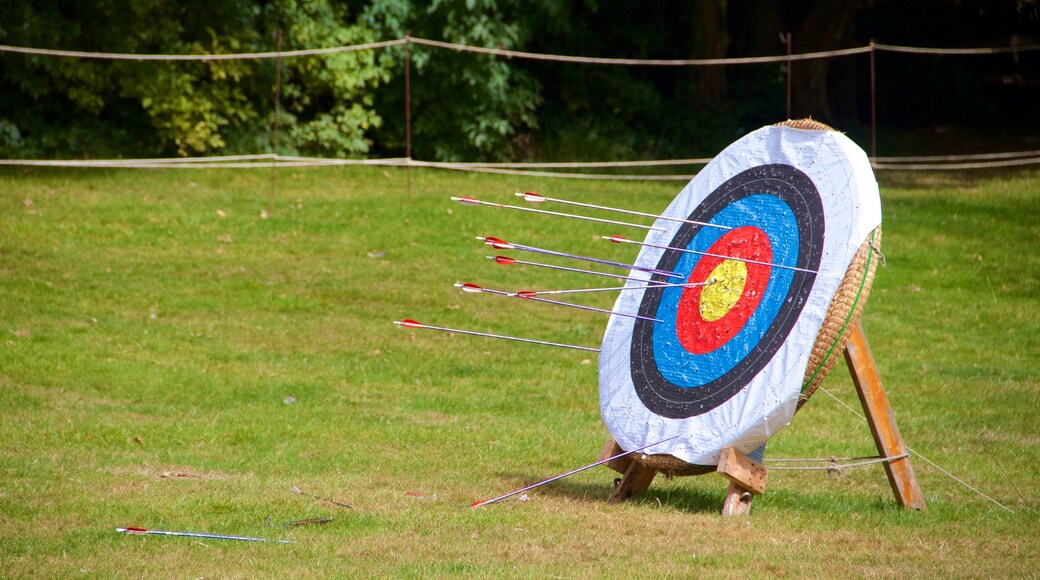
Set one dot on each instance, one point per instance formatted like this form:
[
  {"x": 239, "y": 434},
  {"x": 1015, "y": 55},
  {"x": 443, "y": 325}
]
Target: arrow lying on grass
[
  {"x": 142, "y": 531},
  {"x": 485, "y": 502}
]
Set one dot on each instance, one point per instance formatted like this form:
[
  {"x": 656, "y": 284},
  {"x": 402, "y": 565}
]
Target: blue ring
[
  {"x": 774, "y": 192},
  {"x": 688, "y": 370}
]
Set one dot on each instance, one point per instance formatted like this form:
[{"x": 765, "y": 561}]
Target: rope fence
[
  {"x": 520, "y": 54},
  {"x": 834, "y": 464},
  {"x": 933, "y": 163},
  {"x": 919, "y": 163}
]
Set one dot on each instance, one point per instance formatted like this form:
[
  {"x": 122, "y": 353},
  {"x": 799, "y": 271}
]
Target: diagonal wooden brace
[
  {"x": 635, "y": 477},
  {"x": 882, "y": 421},
  {"x": 747, "y": 478}
]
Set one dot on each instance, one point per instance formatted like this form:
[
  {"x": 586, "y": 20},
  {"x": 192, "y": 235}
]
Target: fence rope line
[
  {"x": 640, "y": 61},
  {"x": 497, "y": 171},
  {"x": 518, "y": 54},
  {"x": 996, "y": 160},
  {"x": 957, "y": 51},
  {"x": 644, "y": 163},
  {"x": 940, "y": 166},
  {"x": 833, "y": 463},
  {"x": 965, "y": 157},
  {"x": 199, "y": 57}
]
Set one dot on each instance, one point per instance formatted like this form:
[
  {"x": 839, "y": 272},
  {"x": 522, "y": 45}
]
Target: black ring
[{"x": 794, "y": 188}]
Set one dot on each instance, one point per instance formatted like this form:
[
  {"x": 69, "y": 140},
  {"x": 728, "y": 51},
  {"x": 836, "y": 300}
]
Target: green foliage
[
  {"x": 328, "y": 103},
  {"x": 464, "y": 106},
  {"x": 82, "y": 107},
  {"x": 469, "y": 106}
]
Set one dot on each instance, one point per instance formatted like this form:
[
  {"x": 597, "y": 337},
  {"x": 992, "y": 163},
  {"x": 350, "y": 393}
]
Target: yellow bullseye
[{"x": 719, "y": 297}]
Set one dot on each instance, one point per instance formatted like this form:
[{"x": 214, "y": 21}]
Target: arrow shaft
[
  {"x": 619, "y": 288},
  {"x": 531, "y": 296},
  {"x": 498, "y": 336},
  {"x": 590, "y": 308},
  {"x": 198, "y": 535},
  {"x": 543, "y": 251},
  {"x": 567, "y": 269},
  {"x": 569, "y": 473},
  {"x": 473, "y": 201},
  {"x": 624, "y": 211},
  {"x": 620, "y": 240}
]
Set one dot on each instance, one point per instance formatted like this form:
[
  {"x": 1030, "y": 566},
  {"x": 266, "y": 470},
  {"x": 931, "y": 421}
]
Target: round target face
[
  {"x": 759, "y": 241},
  {"x": 759, "y": 264}
]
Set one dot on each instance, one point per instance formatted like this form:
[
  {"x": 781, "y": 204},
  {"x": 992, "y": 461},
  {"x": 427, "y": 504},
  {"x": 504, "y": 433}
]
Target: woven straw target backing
[{"x": 842, "y": 316}]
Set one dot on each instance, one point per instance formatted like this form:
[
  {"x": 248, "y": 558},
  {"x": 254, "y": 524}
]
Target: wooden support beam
[
  {"x": 882, "y": 421},
  {"x": 610, "y": 449},
  {"x": 743, "y": 471},
  {"x": 747, "y": 478},
  {"x": 636, "y": 479}
]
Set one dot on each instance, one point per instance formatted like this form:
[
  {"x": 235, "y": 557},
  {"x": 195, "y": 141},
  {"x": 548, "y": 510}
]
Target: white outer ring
[{"x": 852, "y": 209}]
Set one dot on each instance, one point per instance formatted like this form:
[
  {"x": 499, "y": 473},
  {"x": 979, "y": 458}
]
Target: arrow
[
  {"x": 409, "y": 323},
  {"x": 297, "y": 490},
  {"x": 508, "y": 261},
  {"x": 485, "y": 502},
  {"x": 529, "y": 295},
  {"x": 472, "y": 201},
  {"x": 624, "y": 240},
  {"x": 500, "y": 244},
  {"x": 142, "y": 531},
  {"x": 533, "y": 197}
]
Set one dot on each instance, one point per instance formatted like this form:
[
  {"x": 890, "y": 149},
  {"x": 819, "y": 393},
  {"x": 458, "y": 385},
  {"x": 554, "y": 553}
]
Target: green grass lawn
[{"x": 172, "y": 359}]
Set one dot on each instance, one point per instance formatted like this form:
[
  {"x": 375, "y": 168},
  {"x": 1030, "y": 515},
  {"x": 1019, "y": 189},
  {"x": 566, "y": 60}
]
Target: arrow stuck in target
[
  {"x": 508, "y": 261},
  {"x": 532, "y": 197},
  {"x": 533, "y": 296},
  {"x": 472, "y": 201},
  {"x": 532, "y": 293},
  {"x": 624, "y": 240},
  {"x": 415, "y": 324},
  {"x": 500, "y": 244}
]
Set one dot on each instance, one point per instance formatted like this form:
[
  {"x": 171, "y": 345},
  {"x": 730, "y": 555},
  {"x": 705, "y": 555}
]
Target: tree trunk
[
  {"x": 823, "y": 27},
  {"x": 709, "y": 41}
]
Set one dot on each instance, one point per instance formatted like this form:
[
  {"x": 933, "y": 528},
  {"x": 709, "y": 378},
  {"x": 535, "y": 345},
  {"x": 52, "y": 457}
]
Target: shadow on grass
[
  {"x": 706, "y": 493},
  {"x": 667, "y": 494}
]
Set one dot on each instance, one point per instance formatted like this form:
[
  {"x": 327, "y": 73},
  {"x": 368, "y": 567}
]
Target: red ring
[{"x": 699, "y": 336}]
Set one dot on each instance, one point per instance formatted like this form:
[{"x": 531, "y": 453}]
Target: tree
[
  {"x": 82, "y": 107},
  {"x": 464, "y": 106}
]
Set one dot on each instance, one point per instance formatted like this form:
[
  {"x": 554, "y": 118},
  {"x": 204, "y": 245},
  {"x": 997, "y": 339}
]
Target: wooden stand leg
[
  {"x": 611, "y": 449},
  {"x": 882, "y": 421},
  {"x": 747, "y": 478},
  {"x": 738, "y": 501},
  {"x": 636, "y": 479}
]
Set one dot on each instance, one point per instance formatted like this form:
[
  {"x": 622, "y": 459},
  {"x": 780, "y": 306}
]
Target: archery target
[{"x": 772, "y": 225}]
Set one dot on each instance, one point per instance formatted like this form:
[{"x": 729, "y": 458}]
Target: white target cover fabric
[{"x": 803, "y": 199}]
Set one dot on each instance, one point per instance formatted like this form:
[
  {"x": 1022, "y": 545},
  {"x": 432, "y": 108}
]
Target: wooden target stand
[{"x": 747, "y": 478}]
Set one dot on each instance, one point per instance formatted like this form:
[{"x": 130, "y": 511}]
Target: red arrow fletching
[
  {"x": 409, "y": 323},
  {"x": 533, "y": 197},
  {"x": 505, "y": 260},
  {"x": 498, "y": 244},
  {"x": 467, "y": 200},
  {"x": 526, "y": 294}
]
